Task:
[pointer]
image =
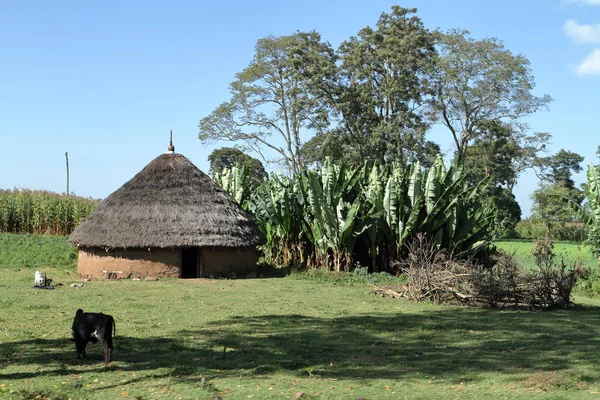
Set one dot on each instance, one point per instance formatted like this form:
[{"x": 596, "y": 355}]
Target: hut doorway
[{"x": 189, "y": 263}]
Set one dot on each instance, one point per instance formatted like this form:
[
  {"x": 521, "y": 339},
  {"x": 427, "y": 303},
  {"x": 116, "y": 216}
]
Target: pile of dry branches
[{"x": 436, "y": 276}]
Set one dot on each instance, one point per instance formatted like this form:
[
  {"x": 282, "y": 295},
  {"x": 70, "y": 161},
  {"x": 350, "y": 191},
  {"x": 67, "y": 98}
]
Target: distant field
[
  {"x": 279, "y": 338},
  {"x": 570, "y": 252}
]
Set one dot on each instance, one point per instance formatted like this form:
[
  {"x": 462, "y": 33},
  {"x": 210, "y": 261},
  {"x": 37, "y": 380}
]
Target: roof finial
[{"x": 171, "y": 148}]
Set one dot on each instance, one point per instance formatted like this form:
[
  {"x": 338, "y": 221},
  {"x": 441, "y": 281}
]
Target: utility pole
[{"x": 67, "y": 158}]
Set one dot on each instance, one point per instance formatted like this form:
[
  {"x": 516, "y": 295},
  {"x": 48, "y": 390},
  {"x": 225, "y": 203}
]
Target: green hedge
[{"x": 536, "y": 230}]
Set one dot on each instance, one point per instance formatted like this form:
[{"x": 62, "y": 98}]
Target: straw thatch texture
[{"x": 170, "y": 203}]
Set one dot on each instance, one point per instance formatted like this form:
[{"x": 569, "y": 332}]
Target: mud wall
[
  {"x": 225, "y": 262},
  {"x": 140, "y": 263},
  {"x": 129, "y": 263}
]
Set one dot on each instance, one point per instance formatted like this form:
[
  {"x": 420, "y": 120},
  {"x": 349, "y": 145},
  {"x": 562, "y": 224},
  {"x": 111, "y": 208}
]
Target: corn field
[
  {"x": 42, "y": 212},
  {"x": 338, "y": 217}
]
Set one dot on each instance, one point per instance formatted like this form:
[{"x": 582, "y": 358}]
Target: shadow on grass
[
  {"x": 266, "y": 270},
  {"x": 453, "y": 344}
]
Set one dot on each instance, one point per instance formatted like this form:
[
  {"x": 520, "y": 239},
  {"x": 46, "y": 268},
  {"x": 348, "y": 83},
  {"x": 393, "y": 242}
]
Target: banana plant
[
  {"x": 472, "y": 221},
  {"x": 438, "y": 203},
  {"x": 590, "y": 211},
  {"x": 376, "y": 229},
  {"x": 461, "y": 218},
  {"x": 237, "y": 181},
  {"x": 333, "y": 212},
  {"x": 277, "y": 213},
  {"x": 593, "y": 200},
  {"x": 403, "y": 200},
  {"x": 318, "y": 215}
]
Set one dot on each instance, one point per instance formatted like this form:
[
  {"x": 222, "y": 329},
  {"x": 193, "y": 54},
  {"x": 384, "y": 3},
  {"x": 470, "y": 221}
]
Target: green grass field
[
  {"x": 570, "y": 252},
  {"x": 280, "y": 338}
]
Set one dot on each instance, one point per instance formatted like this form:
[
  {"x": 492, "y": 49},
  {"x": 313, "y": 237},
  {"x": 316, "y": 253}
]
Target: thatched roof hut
[{"x": 169, "y": 219}]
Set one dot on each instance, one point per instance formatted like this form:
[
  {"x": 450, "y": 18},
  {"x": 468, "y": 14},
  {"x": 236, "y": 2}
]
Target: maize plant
[{"x": 42, "y": 212}]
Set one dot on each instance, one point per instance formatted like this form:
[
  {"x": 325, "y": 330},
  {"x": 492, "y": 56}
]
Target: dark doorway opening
[{"x": 189, "y": 262}]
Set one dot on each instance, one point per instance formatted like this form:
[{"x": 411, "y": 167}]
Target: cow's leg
[
  {"x": 107, "y": 353},
  {"x": 108, "y": 347},
  {"x": 80, "y": 346},
  {"x": 104, "y": 333}
]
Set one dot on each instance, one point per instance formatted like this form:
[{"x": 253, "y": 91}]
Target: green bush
[
  {"x": 589, "y": 282},
  {"x": 535, "y": 229}
]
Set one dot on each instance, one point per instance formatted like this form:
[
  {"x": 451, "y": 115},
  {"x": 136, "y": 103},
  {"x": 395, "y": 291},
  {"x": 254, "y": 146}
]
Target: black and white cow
[{"x": 93, "y": 327}]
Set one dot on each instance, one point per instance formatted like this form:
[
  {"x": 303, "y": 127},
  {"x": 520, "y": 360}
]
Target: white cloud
[
  {"x": 590, "y": 65},
  {"x": 582, "y": 33},
  {"x": 589, "y": 2}
]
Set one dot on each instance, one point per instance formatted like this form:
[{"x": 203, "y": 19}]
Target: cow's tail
[{"x": 114, "y": 324}]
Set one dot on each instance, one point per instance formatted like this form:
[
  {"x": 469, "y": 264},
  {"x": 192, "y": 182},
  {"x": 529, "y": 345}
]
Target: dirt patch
[
  {"x": 546, "y": 381},
  {"x": 201, "y": 281}
]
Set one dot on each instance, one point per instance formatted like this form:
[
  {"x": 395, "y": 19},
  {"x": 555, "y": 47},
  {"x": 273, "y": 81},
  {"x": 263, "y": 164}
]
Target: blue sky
[{"x": 106, "y": 81}]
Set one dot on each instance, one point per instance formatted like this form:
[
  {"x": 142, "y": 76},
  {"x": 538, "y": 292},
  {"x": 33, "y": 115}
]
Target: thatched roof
[{"x": 170, "y": 203}]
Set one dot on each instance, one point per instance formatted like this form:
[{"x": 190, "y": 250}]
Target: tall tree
[
  {"x": 329, "y": 145},
  {"x": 270, "y": 107},
  {"x": 549, "y": 203},
  {"x": 478, "y": 81},
  {"x": 491, "y": 156},
  {"x": 557, "y": 184},
  {"x": 527, "y": 152},
  {"x": 502, "y": 152},
  {"x": 227, "y": 157},
  {"x": 337, "y": 146},
  {"x": 376, "y": 84},
  {"x": 560, "y": 167},
  {"x": 383, "y": 71}
]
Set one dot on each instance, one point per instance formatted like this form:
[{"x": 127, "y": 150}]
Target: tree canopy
[
  {"x": 376, "y": 96},
  {"x": 556, "y": 185},
  {"x": 478, "y": 81},
  {"x": 375, "y": 83},
  {"x": 560, "y": 167},
  {"x": 270, "y": 107},
  {"x": 228, "y": 157}
]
